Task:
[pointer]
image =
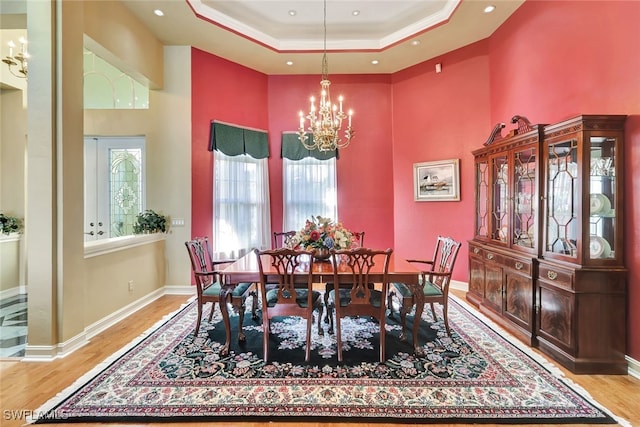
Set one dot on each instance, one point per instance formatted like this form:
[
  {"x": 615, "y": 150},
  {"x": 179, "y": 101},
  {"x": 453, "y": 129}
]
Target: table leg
[
  {"x": 418, "y": 297},
  {"x": 225, "y": 295}
]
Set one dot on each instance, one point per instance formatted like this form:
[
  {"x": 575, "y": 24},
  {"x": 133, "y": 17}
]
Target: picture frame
[{"x": 436, "y": 181}]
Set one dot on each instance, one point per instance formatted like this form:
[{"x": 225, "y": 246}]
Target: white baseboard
[
  {"x": 13, "y": 292},
  {"x": 48, "y": 353},
  {"x": 459, "y": 286},
  {"x": 633, "y": 367},
  {"x": 179, "y": 290}
]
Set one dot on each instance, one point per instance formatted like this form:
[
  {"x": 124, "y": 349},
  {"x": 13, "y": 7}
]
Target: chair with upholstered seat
[
  {"x": 359, "y": 298},
  {"x": 282, "y": 239},
  {"x": 357, "y": 242},
  {"x": 206, "y": 272},
  {"x": 435, "y": 285},
  {"x": 292, "y": 295}
]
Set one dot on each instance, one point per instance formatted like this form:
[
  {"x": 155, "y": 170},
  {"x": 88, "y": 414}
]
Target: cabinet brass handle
[
  {"x": 519, "y": 266},
  {"x": 552, "y": 275},
  {"x": 489, "y": 256},
  {"x": 476, "y": 250}
]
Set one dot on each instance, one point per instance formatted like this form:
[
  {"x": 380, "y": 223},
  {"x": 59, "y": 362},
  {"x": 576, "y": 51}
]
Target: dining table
[{"x": 246, "y": 269}]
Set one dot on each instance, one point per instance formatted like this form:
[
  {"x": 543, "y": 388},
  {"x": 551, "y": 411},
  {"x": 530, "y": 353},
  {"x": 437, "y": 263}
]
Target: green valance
[
  {"x": 235, "y": 140},
  {"x": 293, "y": 149}
]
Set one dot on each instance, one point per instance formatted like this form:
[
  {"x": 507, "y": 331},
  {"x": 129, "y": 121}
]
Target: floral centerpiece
[{"x": 322, "y": 234}]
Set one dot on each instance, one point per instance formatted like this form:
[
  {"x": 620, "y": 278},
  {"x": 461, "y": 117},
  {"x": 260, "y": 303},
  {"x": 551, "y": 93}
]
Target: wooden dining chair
[
  {"x": 206, "y": 272},
  {"x": 360, "y": 298},
  {"x": 292, "y": 295},
  {"x": 357, "y": 242},
  {"x": 282, "y": 239},
  {"x": 435, "y": 285}
]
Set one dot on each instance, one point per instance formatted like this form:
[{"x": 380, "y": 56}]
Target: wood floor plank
[{"x": 25, "y": 386}]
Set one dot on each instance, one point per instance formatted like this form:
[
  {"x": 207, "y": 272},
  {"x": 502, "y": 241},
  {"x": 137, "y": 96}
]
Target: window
[
  {"x": 106, "y": 87},
  {"x": 309, "y": 189},
  {"x": 114, "y": 191},
  {"x": 241, "y": 205}
]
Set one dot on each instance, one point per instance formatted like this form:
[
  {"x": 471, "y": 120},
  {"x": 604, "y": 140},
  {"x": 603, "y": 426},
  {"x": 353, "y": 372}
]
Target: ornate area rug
[{"x": 476, "y": 376}]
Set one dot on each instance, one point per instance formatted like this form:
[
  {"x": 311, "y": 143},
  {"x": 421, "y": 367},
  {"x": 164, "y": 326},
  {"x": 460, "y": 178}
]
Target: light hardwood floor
[{"x": 25, "y": 386}]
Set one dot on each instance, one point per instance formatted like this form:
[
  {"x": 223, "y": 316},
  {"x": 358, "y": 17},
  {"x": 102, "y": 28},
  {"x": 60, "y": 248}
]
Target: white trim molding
[
  {"x": 48, "y": 353},
  {"x": 105, "y": 246}
]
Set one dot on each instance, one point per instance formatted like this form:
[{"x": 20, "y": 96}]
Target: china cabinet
[
  {"x": 502, "y": 253},
  {"x": 581, "y": 280},
  {"x": 546, "y": 259}
]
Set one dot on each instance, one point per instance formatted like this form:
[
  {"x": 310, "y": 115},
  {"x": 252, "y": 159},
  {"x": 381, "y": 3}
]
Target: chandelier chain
[{"x": 325, "y": 121}]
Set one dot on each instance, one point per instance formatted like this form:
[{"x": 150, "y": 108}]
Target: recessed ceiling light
[
  {"x": 375, "y": 62},
  {"x": 158, "y": 12},
  {"x": 415, "y": 42},
  {"x": 289, "y": 63},
  {"x": 292, "y": 12},
  {"x": 489, "y": 8},
  {"x": 355, "y": 13}
]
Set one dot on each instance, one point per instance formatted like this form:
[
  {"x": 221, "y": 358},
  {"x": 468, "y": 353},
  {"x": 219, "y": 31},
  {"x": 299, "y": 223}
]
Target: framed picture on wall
[{"x": 436, "y": 181}]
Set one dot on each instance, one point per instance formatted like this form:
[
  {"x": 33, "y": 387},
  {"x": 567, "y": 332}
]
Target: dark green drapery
[
  {"x": 293, "y": 149},
  {"x": 234, "y": 140}
]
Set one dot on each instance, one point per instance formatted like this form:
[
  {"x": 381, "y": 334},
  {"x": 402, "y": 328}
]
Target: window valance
[
  {"x": 234, "y": 140},
  {"x": 293, "y": 149}
]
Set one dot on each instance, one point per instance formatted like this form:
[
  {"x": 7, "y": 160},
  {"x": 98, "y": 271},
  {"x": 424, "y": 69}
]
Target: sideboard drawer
[
  {"x": 521, "y": 266},
  {"x": 557, "y": 276}
]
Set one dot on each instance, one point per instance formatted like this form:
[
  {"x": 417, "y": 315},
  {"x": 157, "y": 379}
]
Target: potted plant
[
  {"x": 10, "y": 224},
  {"x": 150, "y": 222}
]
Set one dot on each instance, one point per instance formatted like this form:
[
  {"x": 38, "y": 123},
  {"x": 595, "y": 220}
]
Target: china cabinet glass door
[
  {"x": 602, "y": 191},
  {"x": 500, "y": 199},
  {"x": 525, "y": 203},
  {"x": 482, "y": 202},
  {"x": 562, "y": 229}
]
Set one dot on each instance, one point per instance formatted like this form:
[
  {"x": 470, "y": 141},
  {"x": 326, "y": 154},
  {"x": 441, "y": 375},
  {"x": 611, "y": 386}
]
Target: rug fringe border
[
  {"x": 83, "y": 379},
  {"x": 542, "y": 361}
]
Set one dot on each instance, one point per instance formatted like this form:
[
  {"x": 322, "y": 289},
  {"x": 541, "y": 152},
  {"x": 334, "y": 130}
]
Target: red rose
[{"x": 314, "y": 235}]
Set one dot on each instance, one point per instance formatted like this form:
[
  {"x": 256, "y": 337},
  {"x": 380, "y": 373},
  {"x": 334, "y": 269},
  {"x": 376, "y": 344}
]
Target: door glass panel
[
  {"x": 602, "y": 220},
  {"x": 562, "y": 222},
  {"x": 500, "y": 229},
  {"x": 525, "y": 206},
  {"x": 126, "y": 190},
  {"x": 482, "y": 203},
  {"x": 114, "y": 182}
]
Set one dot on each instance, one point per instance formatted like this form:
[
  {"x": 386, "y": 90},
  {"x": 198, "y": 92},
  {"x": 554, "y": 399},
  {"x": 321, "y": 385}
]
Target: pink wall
[
  {"x": 225, "y": 91},
  {"x": 556, "y": 59},
  {"x": 438, "y": 116},
  {"x": 365, "y": 168},
  {"x": 365, "y": 200}
]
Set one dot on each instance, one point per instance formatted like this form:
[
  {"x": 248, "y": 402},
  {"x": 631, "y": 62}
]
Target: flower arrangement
[{"x": 322, "y": 234}]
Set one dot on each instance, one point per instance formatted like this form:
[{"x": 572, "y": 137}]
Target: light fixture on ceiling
[
  {"x": 489, "y": 8},
  {"x": 18, "y": 60},
  {"x": 325, "y": 123}
]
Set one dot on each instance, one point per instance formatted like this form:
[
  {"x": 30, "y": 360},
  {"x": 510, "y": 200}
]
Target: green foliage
[
  {"x": 10, "y": 224},
  {"x": 150, "y": 222}
]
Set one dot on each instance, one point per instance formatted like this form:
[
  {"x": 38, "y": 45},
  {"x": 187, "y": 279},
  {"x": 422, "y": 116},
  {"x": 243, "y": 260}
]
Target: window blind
[
  {"x": 293, "y": 149},
  {"x": 234, "y": 140}
]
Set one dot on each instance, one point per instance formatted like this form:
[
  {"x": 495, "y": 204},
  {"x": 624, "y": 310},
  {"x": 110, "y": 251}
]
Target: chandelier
[
  {"x": 19, "y": 60},
  {"x": 325, "y": 122}
]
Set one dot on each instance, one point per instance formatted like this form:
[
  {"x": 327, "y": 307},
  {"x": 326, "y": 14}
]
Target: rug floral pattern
[{"x": 474, "y": 375}]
